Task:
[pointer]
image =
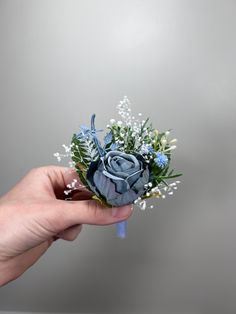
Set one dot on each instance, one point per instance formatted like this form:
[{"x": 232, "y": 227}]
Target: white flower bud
[
  {"x": 171, "y": 148},
  {"x": 163, "y": 141}
]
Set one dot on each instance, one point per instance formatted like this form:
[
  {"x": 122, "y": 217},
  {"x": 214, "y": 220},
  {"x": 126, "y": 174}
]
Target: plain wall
[{"x": 62, "y": 60}]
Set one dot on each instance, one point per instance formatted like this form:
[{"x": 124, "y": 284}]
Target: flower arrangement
[{"x": 131, "y": 165}]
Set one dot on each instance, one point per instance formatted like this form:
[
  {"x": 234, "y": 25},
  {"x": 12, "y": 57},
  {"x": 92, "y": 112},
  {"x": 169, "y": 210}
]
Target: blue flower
[
  {"x": 91, "y": 133},
  {"x": 146, "y": 148},
  {"x": 150, "y": 149},
  {"x": 108, "y": 138},
  {"x": 118, "y": 177},
  {"x": 84, "y": 132},
  {"x": 161, "y": 160}
]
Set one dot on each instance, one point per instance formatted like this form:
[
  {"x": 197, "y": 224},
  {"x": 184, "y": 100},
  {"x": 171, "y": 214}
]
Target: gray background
[{"x": 60, "y": 61}]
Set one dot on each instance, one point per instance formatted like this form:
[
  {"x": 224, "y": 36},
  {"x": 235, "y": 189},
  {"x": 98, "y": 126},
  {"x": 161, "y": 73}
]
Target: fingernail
[{"x": 121, "y": 211}]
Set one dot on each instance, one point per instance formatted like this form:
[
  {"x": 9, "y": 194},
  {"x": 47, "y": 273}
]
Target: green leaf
[
  {"x": 82, "y": 178},
  {"x": 101, "y": 201},
  {"x": 170, "y": 173},
  {"x": 164, "y": 182},
  {"x": 143, "y": 126},
  {"x": 171, "y": 177},
  {"x": 165, "y": 170},
  {"x": 84, "y": 151}
]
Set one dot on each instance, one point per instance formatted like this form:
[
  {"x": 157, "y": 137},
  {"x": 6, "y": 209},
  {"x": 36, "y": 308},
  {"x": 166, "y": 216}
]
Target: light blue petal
[
  {"x": 114, "y": 146},
  {"x": 108, "y": 138},
  {"x": 124, "y": 199},
  {"x": 104, "y": 185}
]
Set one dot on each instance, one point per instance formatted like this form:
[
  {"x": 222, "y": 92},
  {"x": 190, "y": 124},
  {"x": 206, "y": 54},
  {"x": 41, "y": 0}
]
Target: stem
[{"x": 121, "y": 229}]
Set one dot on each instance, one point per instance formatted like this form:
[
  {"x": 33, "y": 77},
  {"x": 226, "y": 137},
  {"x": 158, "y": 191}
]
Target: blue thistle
[{"x": 161, "y": 160}]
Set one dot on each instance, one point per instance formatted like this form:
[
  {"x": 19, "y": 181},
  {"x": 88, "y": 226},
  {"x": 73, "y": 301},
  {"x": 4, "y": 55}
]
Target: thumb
[{"x": 64, "y": 214}]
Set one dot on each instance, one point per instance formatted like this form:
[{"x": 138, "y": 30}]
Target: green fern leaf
[{"x": 84, "y": 151}]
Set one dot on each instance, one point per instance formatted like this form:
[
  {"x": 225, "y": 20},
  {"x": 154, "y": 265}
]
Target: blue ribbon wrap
[{"x": 121, "y": 229}]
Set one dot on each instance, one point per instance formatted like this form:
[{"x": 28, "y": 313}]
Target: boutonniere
[{"x": 130, "y": 165}]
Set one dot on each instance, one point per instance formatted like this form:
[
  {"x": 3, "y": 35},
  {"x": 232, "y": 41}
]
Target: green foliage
[
  {"x": 101, "y": 200},
  {"x": 131, "y": 140},
  {"x": 83, "y": 152}
]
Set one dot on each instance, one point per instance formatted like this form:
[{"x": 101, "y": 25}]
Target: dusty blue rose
[{"x": 118, "y": 177}]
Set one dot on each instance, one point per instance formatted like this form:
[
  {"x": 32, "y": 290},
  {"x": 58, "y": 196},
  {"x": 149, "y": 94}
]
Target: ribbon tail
[{"x": 121, "y": 229}]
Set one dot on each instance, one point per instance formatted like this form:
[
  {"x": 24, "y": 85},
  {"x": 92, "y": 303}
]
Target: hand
[{"x": 34, "y": 212}]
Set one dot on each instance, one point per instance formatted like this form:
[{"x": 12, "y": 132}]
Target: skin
[{"x": 34, "y": 214}]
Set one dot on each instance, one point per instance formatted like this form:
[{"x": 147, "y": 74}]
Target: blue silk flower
[{"x": 118, "y": 177}]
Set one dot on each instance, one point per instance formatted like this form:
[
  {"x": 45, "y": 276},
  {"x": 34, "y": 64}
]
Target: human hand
[{"x": 34, "y": 212}]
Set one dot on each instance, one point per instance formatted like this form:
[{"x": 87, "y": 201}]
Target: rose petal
[
  {"x": 127, "y": 157},
  {"x": 120, "y": 164},
  {"x": 139, "y": 184},
  {"x": 124, "y": 199},
  {"x": 104, "y": 185},
  {"x": 133, "y": 178},
  {"x": 121, "y": 186}
]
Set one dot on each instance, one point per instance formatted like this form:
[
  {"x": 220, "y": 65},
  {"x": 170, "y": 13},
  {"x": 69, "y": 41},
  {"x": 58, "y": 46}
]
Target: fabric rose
[{"x": 118, "y": 177}]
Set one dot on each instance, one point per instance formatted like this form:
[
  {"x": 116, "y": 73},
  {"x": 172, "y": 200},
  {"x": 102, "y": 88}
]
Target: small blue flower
[
  {"x": 84, "y": 132},
  {"x": 150, "y": 149},
  {"x": 161, "y": 160},
  {"x": 108, "y": 138},
  {"x": 146, "y": 148},
  {"x": 87, "y": 133}
]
